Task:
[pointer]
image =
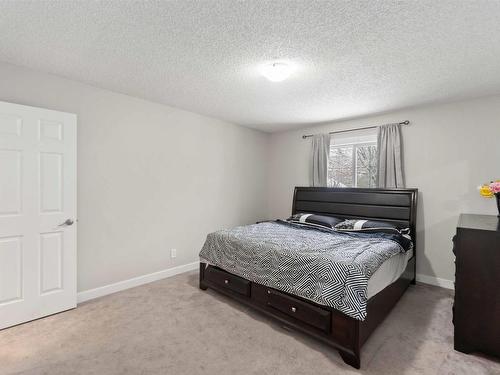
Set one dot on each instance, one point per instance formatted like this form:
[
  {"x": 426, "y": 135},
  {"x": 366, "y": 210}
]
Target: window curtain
[
  {"x": 319, "y": 159},
  {"x": 390, "y": 157}
]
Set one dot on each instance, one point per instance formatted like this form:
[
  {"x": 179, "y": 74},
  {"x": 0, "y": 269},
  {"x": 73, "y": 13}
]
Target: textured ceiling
[{"x": 352, "y": 58}]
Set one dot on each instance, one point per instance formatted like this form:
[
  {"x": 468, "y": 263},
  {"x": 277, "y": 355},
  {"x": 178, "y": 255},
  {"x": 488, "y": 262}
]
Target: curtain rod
[{"x": 406, "y": 122}]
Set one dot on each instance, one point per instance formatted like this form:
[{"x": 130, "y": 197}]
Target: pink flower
[{"x": 495, "y": 187}]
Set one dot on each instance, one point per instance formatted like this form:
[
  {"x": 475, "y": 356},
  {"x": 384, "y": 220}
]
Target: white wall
[
  {"x": 150, "y": 177},
  {"x": 449, "y": 150}
]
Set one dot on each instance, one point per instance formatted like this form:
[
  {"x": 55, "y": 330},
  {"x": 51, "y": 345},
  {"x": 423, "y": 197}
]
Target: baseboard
[
  {"x": 87, "y": 295},
  {"x": 136, "y": 281},
  {"x": 443, "y": 283}
]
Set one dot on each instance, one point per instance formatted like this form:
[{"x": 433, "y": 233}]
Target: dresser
[{"x": 476, "y": 309}]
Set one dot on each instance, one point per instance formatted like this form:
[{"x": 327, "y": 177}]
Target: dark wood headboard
[{"x": 398, "y": 206}]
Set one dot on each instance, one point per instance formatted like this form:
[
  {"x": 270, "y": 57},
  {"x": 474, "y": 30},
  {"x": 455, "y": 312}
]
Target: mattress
[{"x": 388, "y": 272}]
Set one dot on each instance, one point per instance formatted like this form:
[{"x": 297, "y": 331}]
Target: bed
[{"x": 346, "y": 318}]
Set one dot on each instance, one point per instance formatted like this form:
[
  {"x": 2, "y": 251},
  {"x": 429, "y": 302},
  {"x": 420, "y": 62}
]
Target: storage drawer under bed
[
  {"x": 227, "y": 281},
  {"x": 293, "y": 307}
]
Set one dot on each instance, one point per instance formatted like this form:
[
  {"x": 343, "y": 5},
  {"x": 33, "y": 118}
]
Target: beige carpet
[{"x": 172, "y": 327}]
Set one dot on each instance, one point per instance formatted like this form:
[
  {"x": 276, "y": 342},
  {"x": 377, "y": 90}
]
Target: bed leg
[
  {"x": 202, "y": 275},
  {"x": 462, "y": 347},
  {"x": 351, "y": 359},
  {"x": 414, "y": 280}
]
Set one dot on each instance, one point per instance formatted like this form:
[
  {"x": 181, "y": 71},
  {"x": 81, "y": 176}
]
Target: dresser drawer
[
  {"x": 228, "y": 281},
  {"x": 297, "y": 309}
]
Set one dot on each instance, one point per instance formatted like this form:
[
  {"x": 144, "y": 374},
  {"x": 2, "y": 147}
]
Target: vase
[{"x": 497, "y": 195}]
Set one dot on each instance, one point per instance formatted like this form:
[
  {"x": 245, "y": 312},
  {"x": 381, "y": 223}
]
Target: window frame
[{"x": 355, "y": 146}]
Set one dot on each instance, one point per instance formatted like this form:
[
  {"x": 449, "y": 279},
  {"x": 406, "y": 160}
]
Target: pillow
[
  {"x": 370, "y": 226},
  {"x": 315, "y": 220}
]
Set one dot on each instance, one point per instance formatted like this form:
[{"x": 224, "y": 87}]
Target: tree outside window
[{"x": 353, "y": 165}]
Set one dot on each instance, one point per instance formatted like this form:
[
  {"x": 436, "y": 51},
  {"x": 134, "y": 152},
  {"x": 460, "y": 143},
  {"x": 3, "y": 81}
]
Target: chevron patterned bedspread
[{"x": 329, "y": 268}]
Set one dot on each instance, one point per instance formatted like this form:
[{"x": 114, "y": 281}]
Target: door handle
[{"x": 67, "y": 223}]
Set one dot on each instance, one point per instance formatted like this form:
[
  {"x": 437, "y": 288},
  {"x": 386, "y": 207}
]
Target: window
[{"x": 353, "y": 159}]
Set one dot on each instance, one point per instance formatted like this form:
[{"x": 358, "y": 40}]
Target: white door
[{"x": 37, "y": 195}]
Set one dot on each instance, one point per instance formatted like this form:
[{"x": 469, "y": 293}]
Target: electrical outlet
[{"x": 173, "y": 253}]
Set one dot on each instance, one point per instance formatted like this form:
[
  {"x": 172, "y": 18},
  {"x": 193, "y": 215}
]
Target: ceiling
[{"x": 352, "y": 58}]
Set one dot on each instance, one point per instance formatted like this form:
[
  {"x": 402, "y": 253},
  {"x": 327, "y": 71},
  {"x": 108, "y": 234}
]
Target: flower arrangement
[{"x": 490, "y": 190}]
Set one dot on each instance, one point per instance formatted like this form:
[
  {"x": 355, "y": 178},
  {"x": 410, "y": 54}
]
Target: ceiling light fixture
[{"x": 276, "y": 71}]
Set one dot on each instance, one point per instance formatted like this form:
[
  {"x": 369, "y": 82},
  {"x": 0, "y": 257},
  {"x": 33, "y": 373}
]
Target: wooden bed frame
[{"x": 327, "y": 324}]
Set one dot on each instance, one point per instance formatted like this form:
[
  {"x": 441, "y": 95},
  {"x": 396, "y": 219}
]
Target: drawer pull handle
[
  {"x": 226, "y": 281},
  {"x": 294, "y": 309},
  {"x": 268, "y": 291}
]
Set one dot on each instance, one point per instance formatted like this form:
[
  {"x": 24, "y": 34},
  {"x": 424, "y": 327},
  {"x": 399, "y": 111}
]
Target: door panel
[
  {"x": 51, "y": 262},
  {"x": 51, "y": 182},
  {"x": 10, "y": 182},
  {"x": 50, "y": 130},
  {"x": 11, "y": 279},
  {"x": 37, "y": 194},
  {"x": 10, "y": 125}
]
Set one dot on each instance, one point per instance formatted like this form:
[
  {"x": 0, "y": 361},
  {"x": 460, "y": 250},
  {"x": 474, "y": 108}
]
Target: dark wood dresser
[{"x": 476, "y": 311}]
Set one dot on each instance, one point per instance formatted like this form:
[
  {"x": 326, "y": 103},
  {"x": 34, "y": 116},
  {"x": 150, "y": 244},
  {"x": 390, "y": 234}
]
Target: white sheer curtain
[
  {"x": 320, "y": 151},
  {"x": 390, "y": 157}
]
